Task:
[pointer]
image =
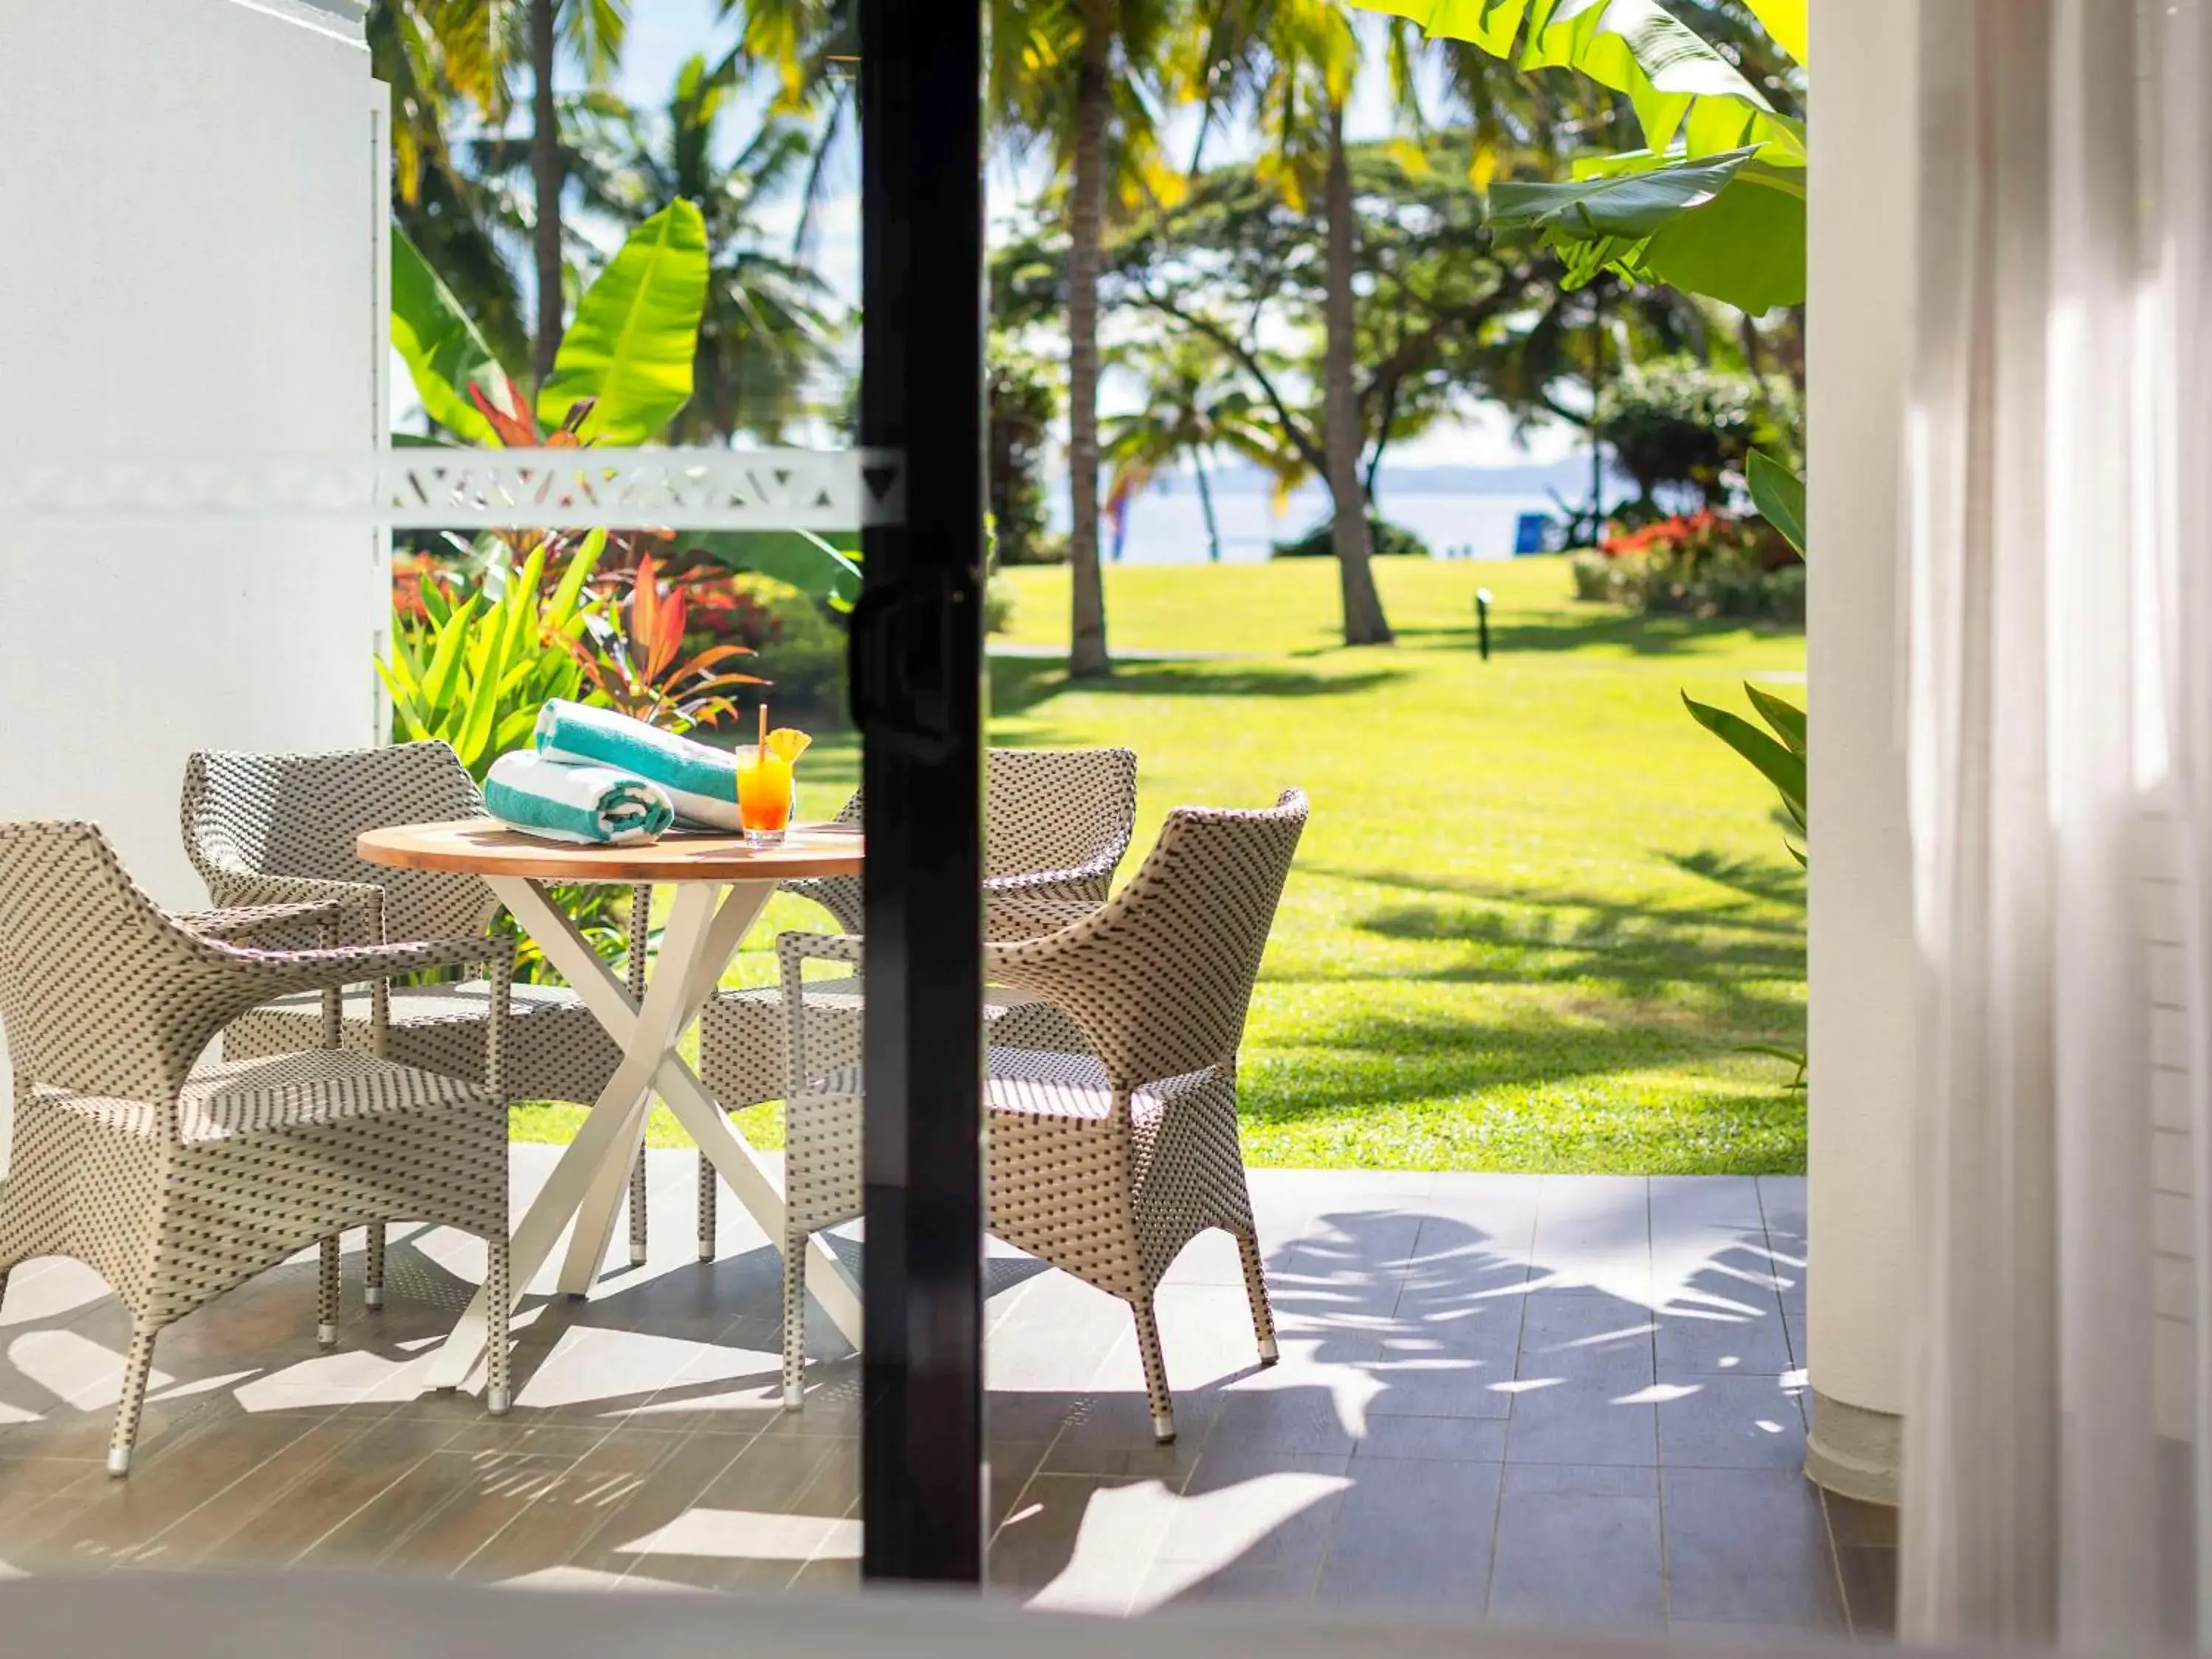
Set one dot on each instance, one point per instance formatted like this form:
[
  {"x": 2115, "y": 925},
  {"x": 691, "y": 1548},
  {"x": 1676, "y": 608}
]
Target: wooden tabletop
[{"x": 485, "y": 847}]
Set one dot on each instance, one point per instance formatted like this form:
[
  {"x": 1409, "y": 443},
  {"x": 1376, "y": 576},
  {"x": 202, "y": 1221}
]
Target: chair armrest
[
  {"x": 236, "y": 923},
  {"x": 330, "y": 970},
  {"x": 237, "y": 889},
  {"x": 793, "y": 952}
]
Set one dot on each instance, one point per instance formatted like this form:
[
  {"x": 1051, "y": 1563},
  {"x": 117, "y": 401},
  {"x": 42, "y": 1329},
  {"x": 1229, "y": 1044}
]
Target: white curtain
[{"x": 2059, "y": 573}]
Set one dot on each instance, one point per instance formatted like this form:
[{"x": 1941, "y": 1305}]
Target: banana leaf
[
  {"x": 443, "y": 350},
  {"x": 635, "y": 335},
  {"x": 1729, "y": 225},
  {"x": 1779, "y": 495}
]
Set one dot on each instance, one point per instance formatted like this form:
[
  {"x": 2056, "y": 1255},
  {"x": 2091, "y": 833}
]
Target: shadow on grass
[
  {"x": 1586, "y": 628},
  {"x": 1021, "y": 683},
  {"x": 1633, "y": 986},
  {"x": 1767, "y": 884}
]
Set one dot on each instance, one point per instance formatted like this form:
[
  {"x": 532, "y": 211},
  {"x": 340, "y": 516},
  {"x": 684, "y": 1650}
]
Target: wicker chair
[
  {"x": 1105, "y": 1164},
  {"x": 177, "y": 1181},
  {"x": 263, "y": 829},
  {"x": 1057, "y": 823}
]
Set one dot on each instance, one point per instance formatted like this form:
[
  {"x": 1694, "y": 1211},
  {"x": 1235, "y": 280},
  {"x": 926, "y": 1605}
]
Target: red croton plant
[{"x": 633, "y": 655}]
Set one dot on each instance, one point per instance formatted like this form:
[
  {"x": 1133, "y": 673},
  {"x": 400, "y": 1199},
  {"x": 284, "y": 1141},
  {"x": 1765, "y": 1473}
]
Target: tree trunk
[
  {"x": 1086, "y": 230},
  {"x": 545, "y": 177},
  {"x": 1206, "y": 506},
  {"x": 1363, "y": 621}
]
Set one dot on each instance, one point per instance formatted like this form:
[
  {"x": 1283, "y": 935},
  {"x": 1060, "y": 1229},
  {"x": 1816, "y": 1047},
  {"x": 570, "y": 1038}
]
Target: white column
[
  {"x": 1859, "y": 317},
  {"x": 188, "y": 219},
  {"x": 191, "y": 208}
]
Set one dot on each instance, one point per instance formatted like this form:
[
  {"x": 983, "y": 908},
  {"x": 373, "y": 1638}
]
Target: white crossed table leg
[{"x": 586, "y": 1185}]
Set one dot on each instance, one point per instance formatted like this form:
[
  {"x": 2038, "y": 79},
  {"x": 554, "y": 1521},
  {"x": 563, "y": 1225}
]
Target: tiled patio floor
[{"x": 1565, "y": 1400}]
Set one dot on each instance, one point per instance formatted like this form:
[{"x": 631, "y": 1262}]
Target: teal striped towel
[
  {"x": 561, "y": 800},
  {"x": 701, "y": 780}
]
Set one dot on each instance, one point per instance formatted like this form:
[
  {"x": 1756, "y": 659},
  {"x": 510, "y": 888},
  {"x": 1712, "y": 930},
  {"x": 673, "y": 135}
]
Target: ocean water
[{"x": 1167, "y": 526}]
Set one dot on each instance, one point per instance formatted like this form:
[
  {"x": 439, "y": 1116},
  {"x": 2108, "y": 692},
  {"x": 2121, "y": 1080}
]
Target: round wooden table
[{"x": 720, "y": 885}]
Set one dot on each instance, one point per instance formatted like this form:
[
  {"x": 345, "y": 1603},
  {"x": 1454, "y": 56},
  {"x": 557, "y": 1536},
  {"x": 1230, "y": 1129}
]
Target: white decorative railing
[{"x": 469, "y": 489}]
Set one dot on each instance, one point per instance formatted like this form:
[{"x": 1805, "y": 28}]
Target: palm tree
[
  {"x": 434, "y": 60},
  {"x": 1081, "y": 78},
  {"x": 1195, "y": 407},
  {"x": 1295, "y": 63},
  {"x": 433, "y": 49},
  {"x": 593, "y": 30},
  {"x": 767, "y": 334}
]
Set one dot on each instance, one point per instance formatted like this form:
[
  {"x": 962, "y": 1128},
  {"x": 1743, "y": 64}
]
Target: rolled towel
[
  {"x": 562, "y": 800},
  {"x": 699, "y": 781}
]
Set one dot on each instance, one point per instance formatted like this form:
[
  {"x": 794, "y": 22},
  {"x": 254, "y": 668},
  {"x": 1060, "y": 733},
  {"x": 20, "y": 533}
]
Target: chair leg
[
  {"x": 498, "y": 1362},
  {"x": 794, "y": 1317},
  {"x": 1255, "y": 1286},
  {"x": 136, "y": 1367},
  {"x": 637, "y": 1209},
  {"x": 1156, "y": 1371},
  {"x": 326, "y": 1295},
  {"x": 372, "y": 1276},
  {"x": 710, "y": 1187}
]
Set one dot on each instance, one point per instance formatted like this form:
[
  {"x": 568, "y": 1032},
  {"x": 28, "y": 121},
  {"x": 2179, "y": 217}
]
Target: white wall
[
  {"x": 1859, "y": 318},
  {"x": 190, "y": 203}
]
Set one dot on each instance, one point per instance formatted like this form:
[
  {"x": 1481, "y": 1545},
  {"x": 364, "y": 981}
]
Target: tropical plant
[
  {"x": 1779, "y": 753},
  {"x": 767, "y": 334},
  {"x": 474, "y": 672},
  {"x": 1196, "y": 406},
  {"x": 1714, "y": 200},
  {"x": 633, "y": 656},
  {"x": 627, "y": 357}
]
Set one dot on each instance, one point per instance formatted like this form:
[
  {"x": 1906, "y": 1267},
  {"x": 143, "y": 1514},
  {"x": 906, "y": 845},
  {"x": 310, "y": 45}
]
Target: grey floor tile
[
  {"x": 1453, "y": 1439},
  {"x": 1412, "y": 1533},
  {"x": 1573, "y": 1557},
  {"x": 1111, "y": 1434},
  {"x": 1732, "y": 1422},
  {"x": 1583, "y": 1422},
  {"x": 1709, "y": 1341},
  {"x": 1585, "y": 1337},
  {"x": 1749, "y": 1546},
  {"x": 1252, "y": 1523},
  {"x": 1035, "y": 1549}
]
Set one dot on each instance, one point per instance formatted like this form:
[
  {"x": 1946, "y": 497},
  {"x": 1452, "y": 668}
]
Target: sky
[{"x": 664, "y": 33}]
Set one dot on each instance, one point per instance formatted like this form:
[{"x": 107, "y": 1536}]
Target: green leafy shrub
[
  {"x": 1676, "y": 425},
  {"x": 1705, "y": 564},
  {"x": 1024, "y": 402},
  {"x": 998, "y": 606},
  {"x": 1385, "y": 540},
  {"x": 798, "y": 650}
]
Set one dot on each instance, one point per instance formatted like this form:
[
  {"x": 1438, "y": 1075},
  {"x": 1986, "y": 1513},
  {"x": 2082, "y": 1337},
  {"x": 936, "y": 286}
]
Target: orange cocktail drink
[{"x": 764, "y": 786}]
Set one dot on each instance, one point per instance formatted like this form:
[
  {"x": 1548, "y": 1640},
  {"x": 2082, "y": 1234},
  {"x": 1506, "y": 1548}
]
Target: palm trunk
[
  {"x": 545, "y": 177},
  {"x": 1363, "y": 621},
  {"x": 1086, "y": 230},
  {"x": 1206, "y": 506}
]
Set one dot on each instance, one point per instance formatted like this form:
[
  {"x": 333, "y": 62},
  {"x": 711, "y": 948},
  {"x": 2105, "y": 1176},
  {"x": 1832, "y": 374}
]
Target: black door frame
[{"x": 919, "y": 698}]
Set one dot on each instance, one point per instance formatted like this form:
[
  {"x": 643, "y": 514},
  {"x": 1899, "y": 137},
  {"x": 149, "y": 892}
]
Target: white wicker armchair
[
  {"x": 177, "y": 1180},
  {"x": 1105, "y": 1164}
]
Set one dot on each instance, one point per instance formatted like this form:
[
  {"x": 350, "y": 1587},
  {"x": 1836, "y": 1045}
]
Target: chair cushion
[
  {"x": 556, "y": 1050},
  {"x": 744, "y": 1038},
  {"x": 237, "y": 1099}
]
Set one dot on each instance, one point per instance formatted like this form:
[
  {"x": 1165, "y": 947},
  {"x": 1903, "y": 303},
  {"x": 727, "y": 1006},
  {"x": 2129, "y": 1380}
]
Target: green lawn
[{"x": 1537, "y": 911}]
